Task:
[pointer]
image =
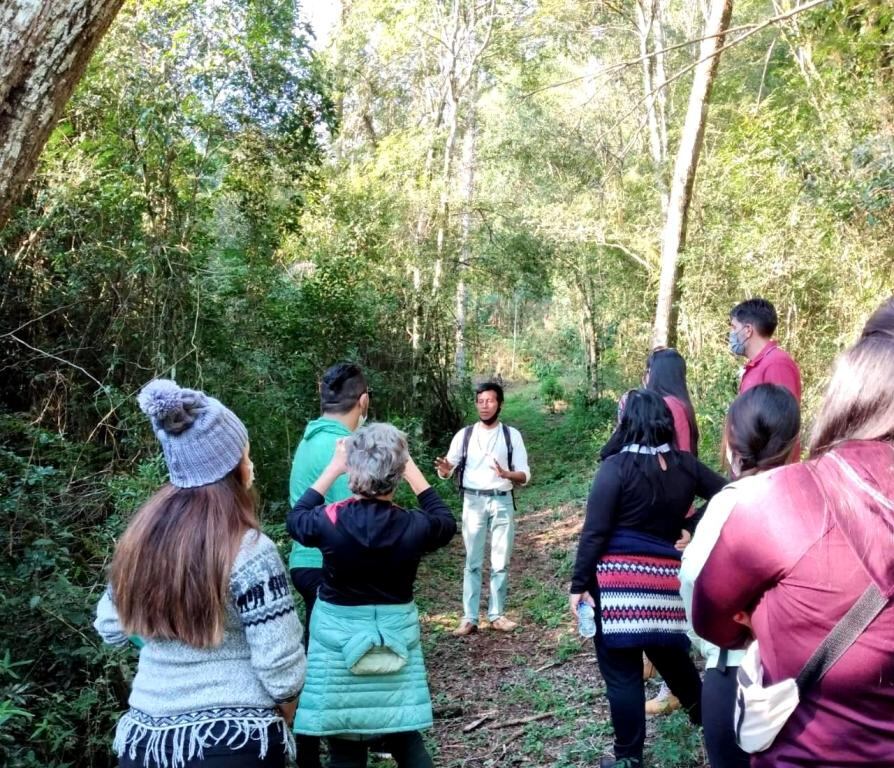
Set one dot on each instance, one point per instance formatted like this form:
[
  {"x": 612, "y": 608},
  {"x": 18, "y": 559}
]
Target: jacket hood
[
  {"x": 371, "y": 523},
  {"x": 859, "y": 479},
  {"x": 324, "y": 425}
]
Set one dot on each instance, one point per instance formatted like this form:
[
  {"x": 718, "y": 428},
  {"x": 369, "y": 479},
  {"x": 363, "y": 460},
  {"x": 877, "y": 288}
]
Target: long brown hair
[
  {"x": 859, "y": 401},
  {"x": 171, "y": 570}
]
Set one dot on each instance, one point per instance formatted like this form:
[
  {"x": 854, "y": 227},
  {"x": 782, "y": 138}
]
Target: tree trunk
[
  {"x": 673, "y": 238},
  {"x": 645, "y": 19},
  {"x": 446, "y": 184},
  {"x": 465, "y": 242},
  {"x": 651, "y": 39},
  {"x": 44, "y": 49}
]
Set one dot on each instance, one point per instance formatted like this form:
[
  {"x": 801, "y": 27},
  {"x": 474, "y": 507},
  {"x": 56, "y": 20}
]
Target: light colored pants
[{"x": 479, "y": 514}]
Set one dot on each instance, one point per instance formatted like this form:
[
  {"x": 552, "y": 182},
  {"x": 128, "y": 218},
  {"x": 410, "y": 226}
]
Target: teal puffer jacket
[{"x": 365, "y": 672}]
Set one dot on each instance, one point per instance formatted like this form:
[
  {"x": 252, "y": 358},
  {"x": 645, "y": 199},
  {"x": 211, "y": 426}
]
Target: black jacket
[
  {"x": 371, "y": 548},
  {"x": 656, "y": 502}
]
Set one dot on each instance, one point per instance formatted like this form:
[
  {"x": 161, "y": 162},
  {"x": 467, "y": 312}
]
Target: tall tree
[
  {"x": 44, "y": 48},
  {"x": 673, "y": 237}
]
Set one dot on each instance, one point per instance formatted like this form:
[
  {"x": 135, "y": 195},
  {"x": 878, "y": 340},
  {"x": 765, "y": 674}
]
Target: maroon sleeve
[
  {"x": 744, "y": 563},
  {"x": 682, "y": 437},
  {"x": 785, "y": 373}
]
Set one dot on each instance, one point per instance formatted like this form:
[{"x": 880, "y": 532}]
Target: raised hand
[{"x": 443, "y": 467}]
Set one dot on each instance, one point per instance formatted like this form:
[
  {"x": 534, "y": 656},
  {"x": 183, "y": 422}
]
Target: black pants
[
  {"x": 622, "y": 670},
  {"x": 407, "y": 749},
  {"x": 221, "y": 755},
  {"x": 307, "y": 581},
  {"x": 718, "y": 708}
]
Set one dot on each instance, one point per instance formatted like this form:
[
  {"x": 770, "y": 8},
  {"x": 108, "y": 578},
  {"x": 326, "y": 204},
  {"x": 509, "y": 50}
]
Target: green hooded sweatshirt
[{"x": 313, "y": 455}]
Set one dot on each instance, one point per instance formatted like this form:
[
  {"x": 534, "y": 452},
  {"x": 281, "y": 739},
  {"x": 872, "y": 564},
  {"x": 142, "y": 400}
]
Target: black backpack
[{"x": 461, "y": 467}]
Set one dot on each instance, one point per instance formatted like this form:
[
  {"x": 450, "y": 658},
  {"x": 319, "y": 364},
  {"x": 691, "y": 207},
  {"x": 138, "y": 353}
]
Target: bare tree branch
[{"x": 751, "y": 29}]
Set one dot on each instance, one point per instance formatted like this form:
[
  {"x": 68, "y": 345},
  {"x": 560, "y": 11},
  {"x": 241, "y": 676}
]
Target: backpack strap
[
  {"x": 842, "y": 637},
  {"x": 461, "y": 467},
  {"x": 507, "y": 436}
]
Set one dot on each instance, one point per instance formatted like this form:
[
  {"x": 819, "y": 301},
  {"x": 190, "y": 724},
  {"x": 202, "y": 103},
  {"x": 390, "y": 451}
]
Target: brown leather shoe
[
  {"x": 502, "y": 624},
  {"x": 465, "y": 627}
]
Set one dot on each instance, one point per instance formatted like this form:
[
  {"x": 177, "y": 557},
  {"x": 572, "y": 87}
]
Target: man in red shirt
[{"x": 751, "y": 327}]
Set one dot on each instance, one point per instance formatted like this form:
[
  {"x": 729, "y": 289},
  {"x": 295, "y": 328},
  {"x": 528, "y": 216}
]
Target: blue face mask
[{"x": 736, "y": 345}]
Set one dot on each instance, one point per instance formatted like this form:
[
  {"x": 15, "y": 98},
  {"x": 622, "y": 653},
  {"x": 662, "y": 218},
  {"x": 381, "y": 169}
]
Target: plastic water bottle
[{"x": 586, "y": 620}]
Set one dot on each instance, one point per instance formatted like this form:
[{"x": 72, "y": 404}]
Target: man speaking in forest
[{"x": 489, "y": 459}]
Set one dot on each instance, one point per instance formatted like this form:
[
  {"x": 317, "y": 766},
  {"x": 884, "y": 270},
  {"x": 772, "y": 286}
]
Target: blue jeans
[{"x": 480, "y": 514}]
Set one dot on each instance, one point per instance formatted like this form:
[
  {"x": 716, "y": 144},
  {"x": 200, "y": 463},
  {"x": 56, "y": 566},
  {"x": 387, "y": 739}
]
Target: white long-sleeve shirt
[
  {"x": 485, "y": 447},
  {"x": 696, "y": 555}
]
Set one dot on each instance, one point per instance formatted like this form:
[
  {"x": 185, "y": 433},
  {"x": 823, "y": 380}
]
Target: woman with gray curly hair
[{"x": 366, "y": 676}]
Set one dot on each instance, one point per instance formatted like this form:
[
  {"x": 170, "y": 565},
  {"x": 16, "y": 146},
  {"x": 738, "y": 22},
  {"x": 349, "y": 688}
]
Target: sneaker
[
  {"x": 664, "y": 703},
  {"x": 624, "y": 762},
  {"x": 465, "y": 627},
  {"x": 502, "y": 624},
  {"x": 378, "y": 750}
]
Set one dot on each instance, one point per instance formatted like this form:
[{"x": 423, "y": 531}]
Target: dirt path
[{"x": 533, "y": 697}]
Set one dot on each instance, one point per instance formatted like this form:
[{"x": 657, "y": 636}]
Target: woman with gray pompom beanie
[{"x": 205, "y": 595}]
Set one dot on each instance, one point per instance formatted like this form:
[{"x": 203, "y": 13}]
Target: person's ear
[{"x": 245, "y": 470}]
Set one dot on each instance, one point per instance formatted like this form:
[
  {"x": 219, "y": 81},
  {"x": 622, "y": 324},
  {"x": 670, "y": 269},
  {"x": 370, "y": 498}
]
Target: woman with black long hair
[
  {"x": 627, "y": 565},
  {"x": 761, "y": 429},
  {"x": 666, "y": 375}
]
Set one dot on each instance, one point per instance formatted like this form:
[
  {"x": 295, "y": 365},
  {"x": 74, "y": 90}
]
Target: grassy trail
[{"x": 533, "y": 697}]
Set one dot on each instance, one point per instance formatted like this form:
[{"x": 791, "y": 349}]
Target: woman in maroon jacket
[{"x": 801, "y": 548}]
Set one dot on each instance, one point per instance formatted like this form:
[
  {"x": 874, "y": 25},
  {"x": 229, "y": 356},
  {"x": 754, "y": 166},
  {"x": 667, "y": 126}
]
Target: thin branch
[
  {"x": 753, "y": 27},
  {"x": 55, "y": 357},
  {"x": 694, "y": 64},
  {"x": 36, "y": 319},
  {"x": 523, "y": 720}
]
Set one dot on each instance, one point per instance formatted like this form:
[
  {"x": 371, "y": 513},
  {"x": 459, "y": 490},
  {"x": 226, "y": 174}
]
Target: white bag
[{"x": 761, "y": 711}]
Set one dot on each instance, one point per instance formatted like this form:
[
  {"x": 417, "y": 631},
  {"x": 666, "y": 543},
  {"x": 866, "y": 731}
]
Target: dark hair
[
  {"x": 859, "y": 401},
  {"x": 666, "y": 375},
  {"x": 759, "y": 313},
  {"x": 490, "y": 386},
  {"x": 762, "y": 427},
  {"x": 646, "y": 420},
  {"x": 341, "y": 388}
]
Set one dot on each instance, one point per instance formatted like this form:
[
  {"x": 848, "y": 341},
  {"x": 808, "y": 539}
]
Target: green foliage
[
  {"x": 551, "y": 389},
  {"x": 677, "y": 743}
]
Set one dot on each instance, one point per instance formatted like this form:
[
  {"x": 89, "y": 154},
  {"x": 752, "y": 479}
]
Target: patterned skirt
[{"x": 639, "y": 593}]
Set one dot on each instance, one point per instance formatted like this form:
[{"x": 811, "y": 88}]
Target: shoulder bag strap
[
  {"x": 842, "y": 637},
  {"x": 861, "y": 613},
  {"x": 461, "y": 469}
]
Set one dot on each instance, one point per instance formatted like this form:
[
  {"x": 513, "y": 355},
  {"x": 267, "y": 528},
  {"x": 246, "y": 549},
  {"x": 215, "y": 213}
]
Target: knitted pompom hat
[{"x": 202, "y": 439}]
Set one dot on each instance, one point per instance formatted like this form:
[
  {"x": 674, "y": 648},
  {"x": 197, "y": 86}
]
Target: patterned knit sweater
[{"x": 179, "y": 691}]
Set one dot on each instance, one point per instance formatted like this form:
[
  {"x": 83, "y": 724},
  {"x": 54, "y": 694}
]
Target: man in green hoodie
[{"x": 344, "y": 402}]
